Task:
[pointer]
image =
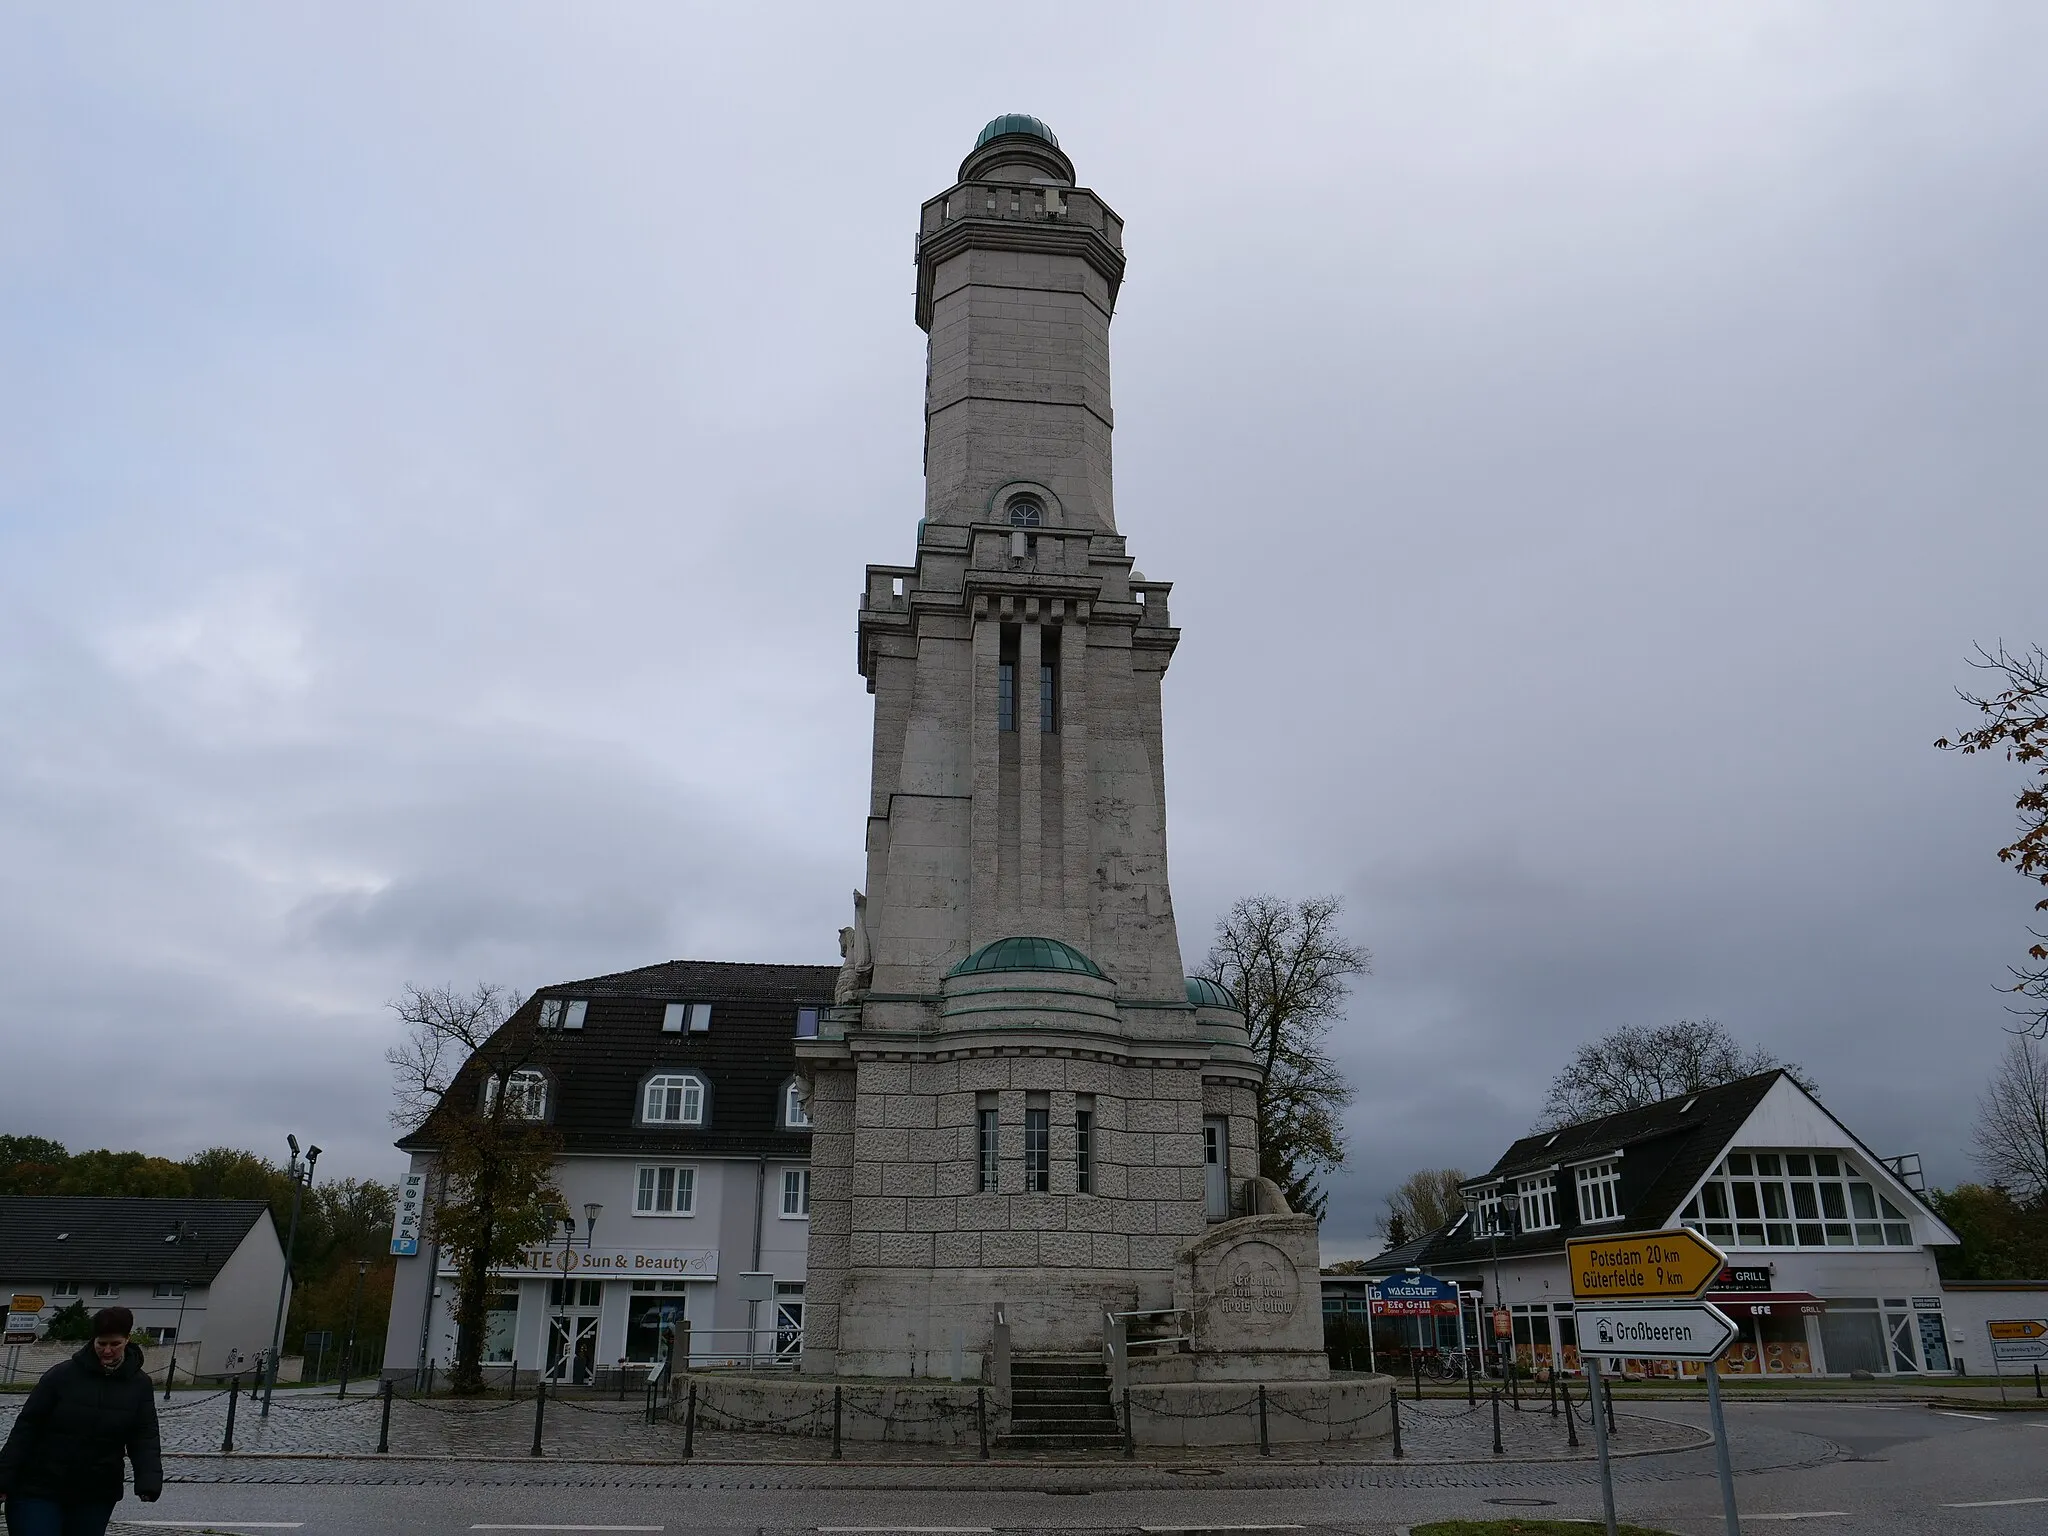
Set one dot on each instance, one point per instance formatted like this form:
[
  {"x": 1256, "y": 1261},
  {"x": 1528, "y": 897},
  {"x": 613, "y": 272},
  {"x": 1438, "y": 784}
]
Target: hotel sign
[
  {"x": 412, "y": 1211},
  {"x": 609, "y": 1263}
]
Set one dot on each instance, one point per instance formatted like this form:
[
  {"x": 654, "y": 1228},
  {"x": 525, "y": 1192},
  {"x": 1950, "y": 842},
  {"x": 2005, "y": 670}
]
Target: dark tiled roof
[
  {"x": 83, "y": 1238},
  {"x": 746, "y": 1056},
  {"x": 1669, "y": 1146},
  {"x": 1410, "y": 1252}
]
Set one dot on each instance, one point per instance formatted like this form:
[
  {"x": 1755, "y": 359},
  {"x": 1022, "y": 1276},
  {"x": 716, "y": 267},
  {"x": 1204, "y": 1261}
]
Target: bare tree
[
  {"x": 2017, "y": 723},
  {"x": 2012, "y": 1124},
  {"x": 1290, "y": 970},
  {"x": 1422, "y": 1202},
  {"x": 1639, "y": 1064},
  {"x": 494, "y": 1149}
]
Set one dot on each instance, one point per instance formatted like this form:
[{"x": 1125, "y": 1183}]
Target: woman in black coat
[{"x": 60, "y": 1473}]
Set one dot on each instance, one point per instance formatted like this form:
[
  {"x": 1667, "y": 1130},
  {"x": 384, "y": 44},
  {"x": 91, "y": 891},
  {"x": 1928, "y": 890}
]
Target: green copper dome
[
  {"x": 1027, "y": 954},
  {"x": 1016, "y": 122},
  {"x": 1204, "y": 993}
]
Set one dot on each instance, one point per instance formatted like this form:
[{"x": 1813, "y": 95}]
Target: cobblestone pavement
[{"x": 315, "y": 1426}]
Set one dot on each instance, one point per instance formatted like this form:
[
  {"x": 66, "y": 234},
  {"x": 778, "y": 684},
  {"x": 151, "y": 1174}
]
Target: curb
[{"x": 1253, "y": 1463}]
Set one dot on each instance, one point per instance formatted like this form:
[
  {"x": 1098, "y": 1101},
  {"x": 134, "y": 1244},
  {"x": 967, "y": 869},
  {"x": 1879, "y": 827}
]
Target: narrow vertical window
[
  {"x": 1037, "y": 1151},
  {"x": 796, "y": 1192},
  {"x": 1084, "y": 1151},
  {"x": 1006, "y": 696},
  {"x": 986, "y": 1130},
  {"x": 1048, "y": 698}
]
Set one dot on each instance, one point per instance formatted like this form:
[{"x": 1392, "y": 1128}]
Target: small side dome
[
  {"x": 1016, "y": 122},
  {"x": 1028, "y": 954},
  {"x": 1204, "y": 993}
]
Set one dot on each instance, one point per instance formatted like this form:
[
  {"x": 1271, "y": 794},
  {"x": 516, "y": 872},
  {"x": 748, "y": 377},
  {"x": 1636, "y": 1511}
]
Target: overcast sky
[{"x": 439, "y": 446}]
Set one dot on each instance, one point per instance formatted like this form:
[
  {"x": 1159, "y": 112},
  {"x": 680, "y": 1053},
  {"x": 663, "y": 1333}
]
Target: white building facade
[
  {"x": 685, "y": 1137},
  {"x": 1831, "y": 1265}
]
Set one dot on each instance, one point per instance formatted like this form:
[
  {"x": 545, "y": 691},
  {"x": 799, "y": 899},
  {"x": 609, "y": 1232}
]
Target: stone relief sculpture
[{"x": 857, "y": 959}]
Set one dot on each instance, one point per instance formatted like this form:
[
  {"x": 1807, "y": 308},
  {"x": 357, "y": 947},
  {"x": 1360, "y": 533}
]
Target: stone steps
[{"x": 1059, "y": 1404}]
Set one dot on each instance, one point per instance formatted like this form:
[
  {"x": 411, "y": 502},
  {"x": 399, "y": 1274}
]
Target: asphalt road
[{"x": 1900, "y": 1468}]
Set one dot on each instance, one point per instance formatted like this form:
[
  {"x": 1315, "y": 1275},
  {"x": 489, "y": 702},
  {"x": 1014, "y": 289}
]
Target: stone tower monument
[{"x": 1021, "y": 1100}]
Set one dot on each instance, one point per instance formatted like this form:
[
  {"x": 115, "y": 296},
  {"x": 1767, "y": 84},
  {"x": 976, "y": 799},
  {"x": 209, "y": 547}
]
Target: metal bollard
[
  {"x": 1498, "y": 1448},
  {"x": 384, "y": 1427},
  {"x": 981, "y": 1418},
  {"x": 540, "y": 1408},
  {"x": 1471, "y": 1397},
  {"x": 1553, "y": 1391},
  {"x": 1394, "y": 1407},
  {"x": 227, "y": 1441},
  {"x": 1130, "y": 1436},
  {"x": 690, "y": 1423},
  {"x": 1571, "y": 1419},
  {"x": 1265, "y": 1445},
  {"x": 1415, "y": 1365},
  {"x": 837, "y": 1403},
  {"x": 430, "y": 1378}
]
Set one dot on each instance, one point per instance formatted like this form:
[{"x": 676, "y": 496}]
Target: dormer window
[
  {"x": 794, "y": 1116},
  {"x": 526, "y": 1095},
  {"x": 685, "y": 1018},
  {"x": 673, "y": 1098},
  {"x": 563, "y": 1013}
]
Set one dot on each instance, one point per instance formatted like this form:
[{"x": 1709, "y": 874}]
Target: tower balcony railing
[{"x": 1022, "y": 202}]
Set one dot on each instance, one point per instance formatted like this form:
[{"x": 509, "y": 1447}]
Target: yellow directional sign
[
  {"x": 1643, "y": 1266},
  {"x": 2019, "y": 1328}
]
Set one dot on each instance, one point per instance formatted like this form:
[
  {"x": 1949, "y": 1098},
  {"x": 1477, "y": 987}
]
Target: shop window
[
  {"x": 501, "y": 1326},
  {"x": 665, "y": 1191},
  {"x": 1795, "y": 1200},
  {"x": 1599, "y": 1192},
  {"x": 654, "y": 1310}
]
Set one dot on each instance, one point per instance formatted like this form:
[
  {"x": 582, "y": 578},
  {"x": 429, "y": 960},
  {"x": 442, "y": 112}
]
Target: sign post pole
[
  {"x": 1721, "y": 1467},
  {"x": 1596, "y": 1392},
  {"x": 1372, "y": 1358},
  {"x": 1997, "y": 1363}
]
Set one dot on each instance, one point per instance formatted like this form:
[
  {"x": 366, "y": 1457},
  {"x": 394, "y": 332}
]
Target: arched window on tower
[{"x": 1026, "y": 512}]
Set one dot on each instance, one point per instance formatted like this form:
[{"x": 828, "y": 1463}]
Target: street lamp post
[
  {"x": 355, "y": 1303},
  {"x": 181, "y": 1232},
  {"x": 301, "y": 1175}
]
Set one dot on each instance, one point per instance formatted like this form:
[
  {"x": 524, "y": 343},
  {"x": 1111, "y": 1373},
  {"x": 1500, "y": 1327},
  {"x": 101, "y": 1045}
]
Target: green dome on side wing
[
  {"x": 1028, "y": 954},
  {"x": 1204, "y": 993}
]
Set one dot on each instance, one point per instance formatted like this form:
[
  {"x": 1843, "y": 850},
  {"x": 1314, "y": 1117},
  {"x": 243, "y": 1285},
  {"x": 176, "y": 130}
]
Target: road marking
[
  {"x": 1994, "y": 1503},
  {"x": 1804, "y": 1514},
  {"x": 568, "y": 1527},
  {"x": 219, "y": 1525},
  {"x": 1188, "y": 1530},
  {"x": 1950, "y": 1413},
  {"x": 905, "y": 1530}
]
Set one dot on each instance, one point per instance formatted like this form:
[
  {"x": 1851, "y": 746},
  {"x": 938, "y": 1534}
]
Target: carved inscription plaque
[{"x": 1253, "y": 1290}]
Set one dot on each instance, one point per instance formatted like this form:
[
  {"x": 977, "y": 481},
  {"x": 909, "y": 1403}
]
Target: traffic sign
[
  {"x": 1643, "y": 1266},
  {"x": 23, "y": 1303},
  {"x": 1677, "y": 1330},
  {"x": 2018, "y": 1338}
]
